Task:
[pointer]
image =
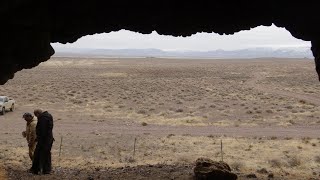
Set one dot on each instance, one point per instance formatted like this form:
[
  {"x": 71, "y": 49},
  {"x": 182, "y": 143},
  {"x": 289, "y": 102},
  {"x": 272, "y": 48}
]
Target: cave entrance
[{"x": 125, "y": 99}]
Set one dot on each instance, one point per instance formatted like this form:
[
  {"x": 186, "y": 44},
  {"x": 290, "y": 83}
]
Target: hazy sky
[{"x": 261, "y": 36}]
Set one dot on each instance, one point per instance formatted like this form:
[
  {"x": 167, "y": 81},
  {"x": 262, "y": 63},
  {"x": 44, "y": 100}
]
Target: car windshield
[{"x": 1, "y": 99}]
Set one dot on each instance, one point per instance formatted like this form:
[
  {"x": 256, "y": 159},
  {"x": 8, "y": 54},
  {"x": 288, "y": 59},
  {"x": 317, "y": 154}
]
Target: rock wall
[{"x": 28, "y": 26}]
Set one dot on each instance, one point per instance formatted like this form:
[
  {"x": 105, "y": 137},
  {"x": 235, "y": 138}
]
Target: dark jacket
[{"x": 44, "y": 129}]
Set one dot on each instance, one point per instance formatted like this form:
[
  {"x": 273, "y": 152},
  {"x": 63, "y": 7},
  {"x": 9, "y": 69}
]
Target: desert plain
[{"x": 151, "y": 118}]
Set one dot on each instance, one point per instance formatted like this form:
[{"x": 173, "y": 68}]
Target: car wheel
[
  {"x": 3, "y": 111},
  {"x": 12, "y": 108}
]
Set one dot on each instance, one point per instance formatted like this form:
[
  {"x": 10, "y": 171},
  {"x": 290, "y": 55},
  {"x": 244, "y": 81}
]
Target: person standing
[
  {"x": 30, "y": 132},
  {"x": 42, "y": 155}
]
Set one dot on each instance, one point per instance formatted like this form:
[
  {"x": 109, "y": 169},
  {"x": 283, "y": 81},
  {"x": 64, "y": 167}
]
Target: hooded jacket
[{"x": 44, "y": 129}]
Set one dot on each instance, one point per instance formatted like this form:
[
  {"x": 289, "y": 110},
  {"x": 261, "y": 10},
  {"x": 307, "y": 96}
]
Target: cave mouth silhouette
[{"x": 28, "y": 28}]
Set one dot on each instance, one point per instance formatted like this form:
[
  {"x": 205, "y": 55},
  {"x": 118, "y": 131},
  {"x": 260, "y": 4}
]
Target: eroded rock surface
[
  {"x": 207, "y": 169},
  {"x": 28, "y": 27}
]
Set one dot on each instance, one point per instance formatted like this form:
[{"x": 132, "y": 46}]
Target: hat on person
[{"x": 27, "y": 115}]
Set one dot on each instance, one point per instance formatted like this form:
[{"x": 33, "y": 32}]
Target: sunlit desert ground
[{"x": 265, "y": 111}]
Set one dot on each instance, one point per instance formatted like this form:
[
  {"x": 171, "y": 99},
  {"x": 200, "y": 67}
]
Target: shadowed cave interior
[{"x": 28, "y": 28}]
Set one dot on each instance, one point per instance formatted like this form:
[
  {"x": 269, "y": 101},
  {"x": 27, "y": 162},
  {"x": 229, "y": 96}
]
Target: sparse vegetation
[
  {"x": 294, "y": 161},
  {"x": 179, "y": 110},
  {"x": 274, "y": 137},
  {"x": 275, "y": 163},
  {"x": 107, "y": 102},
  {"x": 142, "y": 111},
  {"x": 269, "y": 111},
  {"x": 237, "y": 166},
  {"x": 317, "y": 159},
  {"x": 249, "y": 112}
]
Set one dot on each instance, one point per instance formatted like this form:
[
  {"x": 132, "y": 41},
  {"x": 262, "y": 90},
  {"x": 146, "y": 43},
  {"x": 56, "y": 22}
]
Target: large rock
[{"x": 207, "y": 169}]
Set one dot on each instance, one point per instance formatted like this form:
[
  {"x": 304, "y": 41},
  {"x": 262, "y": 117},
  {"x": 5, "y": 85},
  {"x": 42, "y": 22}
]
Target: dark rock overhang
[{"x": 28, "y": 27}]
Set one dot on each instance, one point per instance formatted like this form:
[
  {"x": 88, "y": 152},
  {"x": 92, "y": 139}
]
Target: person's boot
[{"x": 32, "y": 171}]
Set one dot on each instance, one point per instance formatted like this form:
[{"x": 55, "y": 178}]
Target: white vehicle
[{"x": 6, "y": 104}]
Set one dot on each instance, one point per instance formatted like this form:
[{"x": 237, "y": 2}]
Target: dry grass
[
  {"x": 294, "y": 161},
  {"x": 237, "y": 166},
  {"x": 116, "y": 151},
  {"x": 154, "y": 88},
  {"x": 3, "y": 174},
  {"x": 317, "y": 159},
  {"x": 275, "y": 163}
]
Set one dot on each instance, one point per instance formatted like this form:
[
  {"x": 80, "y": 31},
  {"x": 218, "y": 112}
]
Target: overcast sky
[{"x": 261, "y": 36}]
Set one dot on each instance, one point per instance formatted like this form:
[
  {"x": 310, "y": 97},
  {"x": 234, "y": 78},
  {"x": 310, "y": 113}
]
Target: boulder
[{"x": 206, "y": 169}]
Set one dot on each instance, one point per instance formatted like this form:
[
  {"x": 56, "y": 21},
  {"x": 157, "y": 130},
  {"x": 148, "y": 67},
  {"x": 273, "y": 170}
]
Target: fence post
[
  {"x": 134, "y": 147},
  {"x": 60, "y": 146},
  {"x": 221, "y": 151}
]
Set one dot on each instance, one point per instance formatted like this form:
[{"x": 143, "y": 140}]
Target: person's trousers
[
  {"x": 32, "y": 148},
  {"x": 42, "y": 158}
]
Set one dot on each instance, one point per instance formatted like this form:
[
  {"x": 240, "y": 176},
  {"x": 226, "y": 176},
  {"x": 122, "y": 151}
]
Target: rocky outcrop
[
  {"x": 28, "y": 27},
  {"x": 207, "y": 169},
  {"x": 316, "y": 53}
]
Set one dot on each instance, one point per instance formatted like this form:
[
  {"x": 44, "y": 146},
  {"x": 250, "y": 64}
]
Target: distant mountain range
[{"x": 301, "y": 52}]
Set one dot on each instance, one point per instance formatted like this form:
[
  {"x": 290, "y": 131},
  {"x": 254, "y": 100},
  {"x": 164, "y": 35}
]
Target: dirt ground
[{"x": 265, "y": 111}]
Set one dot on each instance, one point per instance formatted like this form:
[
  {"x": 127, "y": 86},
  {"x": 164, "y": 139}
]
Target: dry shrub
[
  {"x": 142, "y": 111},
  {"x": 179, "y": 110},
  {"x": 238, "y": 165},
  {"x": 249, "y": 112},
  {"x": 269, "y": 111},
  {"x": 274, "y": 138},
  {"x": 317, "y": 159},
  {"x": 76, "y": 101},
  {"x": 144, "y": 124},
  {"x": 291, "y": 121},
  {"x": 190, "y": 121},
  {"x": 302, "y": 102},
  {"x": 275, "y": 163},
  {"x": 121, "y": 106},
  {"x": 256, "y": 117},
  {"x": 306, "y": 140},
  {"x": 294, "y": 161},
  {"x": 184, "y": 160},
  {"x": 179, "y": 102},
  {"x": 289, "y": 107},
  {"x": 211, "y": 136},
  {"x": 129, "y": 159}
]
